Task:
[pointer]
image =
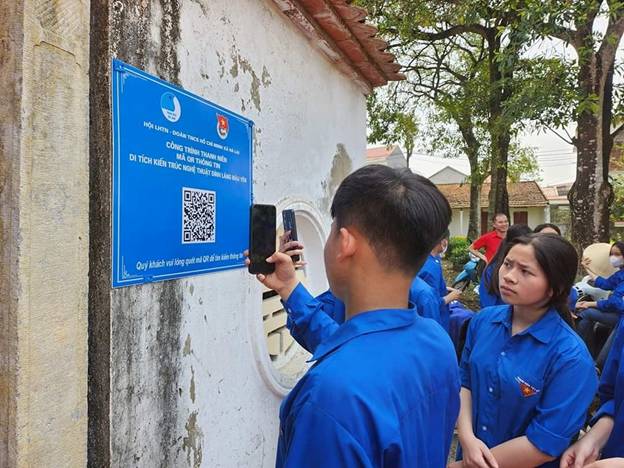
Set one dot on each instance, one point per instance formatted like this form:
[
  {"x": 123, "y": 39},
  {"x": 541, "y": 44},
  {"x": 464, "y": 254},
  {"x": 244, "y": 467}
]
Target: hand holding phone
[
  {"x": 290, "y": 225},
  {"x": 262, "y": 235}
]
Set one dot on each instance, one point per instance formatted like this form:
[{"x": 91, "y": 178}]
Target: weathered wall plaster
[
  {"x": 185, "y": 386},
  {"x": 45, "y": 227}
]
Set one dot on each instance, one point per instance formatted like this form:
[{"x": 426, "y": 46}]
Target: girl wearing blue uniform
[
  {"x": 527, "y": 377},
  {"x": 488, "y": 294},
  {"x": 606, "y": 311},
  {"x": 606, "y": 437}
]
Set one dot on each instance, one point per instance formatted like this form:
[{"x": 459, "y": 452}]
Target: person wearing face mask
[
  {"x": 432, "y": 274},
  {"x": 606, "y": 311}
]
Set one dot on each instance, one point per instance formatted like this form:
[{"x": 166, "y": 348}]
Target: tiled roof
[
  {"x": 379, "y": 152},
  {"x": 521, "y": 194},
  {"x": 339, "y": 31}
]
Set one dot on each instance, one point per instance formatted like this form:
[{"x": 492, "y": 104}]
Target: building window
[{"x": 286, "y": 356}]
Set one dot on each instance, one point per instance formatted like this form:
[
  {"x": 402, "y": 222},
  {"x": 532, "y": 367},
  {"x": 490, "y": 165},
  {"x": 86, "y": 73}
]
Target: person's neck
[
  {"x": 377, "y": 291},
  {"x": 525, "y": 316},
  {"x": 500, "y": 233}
]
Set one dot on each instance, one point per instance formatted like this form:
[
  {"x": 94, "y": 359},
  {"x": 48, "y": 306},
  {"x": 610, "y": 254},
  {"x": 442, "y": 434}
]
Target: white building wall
[{"x": 191, "y": 384}]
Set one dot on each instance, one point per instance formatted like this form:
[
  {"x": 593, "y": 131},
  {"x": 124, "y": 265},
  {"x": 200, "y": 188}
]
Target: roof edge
[{"x": 338, "y": 30}]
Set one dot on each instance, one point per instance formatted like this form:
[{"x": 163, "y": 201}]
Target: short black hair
[
  {"x": 403, "y": 215},
  {"x": 540, "y": 227},
  {"x": 500, "y": 213},
  {"x": 558, "y": 260}
]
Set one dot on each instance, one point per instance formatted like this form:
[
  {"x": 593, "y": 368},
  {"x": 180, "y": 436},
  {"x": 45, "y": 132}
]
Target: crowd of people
[{"x": 385, "y": 388}]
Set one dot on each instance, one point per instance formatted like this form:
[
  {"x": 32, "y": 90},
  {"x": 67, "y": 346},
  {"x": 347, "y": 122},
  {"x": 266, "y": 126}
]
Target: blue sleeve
[
  {"x": 572, "y": 299},
  {"x": 562, "y": 409},
  {"x": 614, "y": 303},
  {"x": 317, "y": 439},
  {"x": 428, "y": 277},
  {"x": 606, "y": 390},
  {"x": 309, "y": 320},
  {"x": 610, "y": 283},
  {"x": 464, "y": 363}
]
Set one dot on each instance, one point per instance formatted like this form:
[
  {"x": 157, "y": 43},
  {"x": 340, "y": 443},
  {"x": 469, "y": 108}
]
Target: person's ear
[{"x": 347, "y": 242}]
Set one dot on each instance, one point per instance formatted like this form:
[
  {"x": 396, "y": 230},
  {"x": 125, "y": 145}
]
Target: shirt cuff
[
  {"x": 602, "y": 304},
  {"x": 299, "y": 298},
  {"x": 545, "y": 441},
  {"x": 606, "y": 409}
]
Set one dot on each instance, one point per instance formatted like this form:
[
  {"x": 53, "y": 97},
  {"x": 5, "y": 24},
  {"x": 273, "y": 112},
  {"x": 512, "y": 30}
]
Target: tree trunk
[
  {"x": 474, "y": 228},
  {"x": 591, "y": 193},
  {"x": 500, "y": 136}
]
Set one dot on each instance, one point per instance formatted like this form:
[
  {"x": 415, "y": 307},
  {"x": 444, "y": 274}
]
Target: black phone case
[
  {"x": 290, "y": 224},
  {"x": 259, "y": 267}
]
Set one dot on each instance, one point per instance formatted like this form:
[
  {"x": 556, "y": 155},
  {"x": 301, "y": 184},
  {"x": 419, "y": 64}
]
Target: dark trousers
[{"x": 585, "y": 328}]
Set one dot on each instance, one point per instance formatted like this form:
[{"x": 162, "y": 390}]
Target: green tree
[
  {"x": 596, "y": 103},
  {"x": 466, "y": 58}
]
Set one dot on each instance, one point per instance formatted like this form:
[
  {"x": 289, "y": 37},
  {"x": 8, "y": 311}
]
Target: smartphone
[
  {"x": 262, "y": 235},
  {"x": 290, "y": 224}
]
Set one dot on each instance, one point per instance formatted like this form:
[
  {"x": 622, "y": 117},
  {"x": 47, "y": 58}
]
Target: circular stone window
[{"x": 285, "y": 357}]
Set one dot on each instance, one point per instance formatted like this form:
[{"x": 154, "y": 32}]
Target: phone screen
[{"x": 262, "y": 238}]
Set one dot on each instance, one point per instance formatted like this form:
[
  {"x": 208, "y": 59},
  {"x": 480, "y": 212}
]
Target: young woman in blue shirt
[
  {"x": 606, "y": 437},
  {"x": 527, "y": 377}
]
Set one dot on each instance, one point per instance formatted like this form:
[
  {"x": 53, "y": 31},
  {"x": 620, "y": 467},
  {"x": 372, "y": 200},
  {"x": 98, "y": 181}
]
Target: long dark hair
[
  {"x": 558, "y": 260},
  {"x": 619, "y": 245},
  {"x": 514, "y": 231}
]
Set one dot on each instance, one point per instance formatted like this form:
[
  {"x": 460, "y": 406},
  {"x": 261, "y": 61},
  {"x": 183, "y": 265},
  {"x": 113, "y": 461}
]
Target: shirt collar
[
  {"x": 364, "y": 323},
  {"x": 542, "y": 330}
]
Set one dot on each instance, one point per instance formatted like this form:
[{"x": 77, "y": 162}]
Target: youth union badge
[
  {"x": 223, "y": 127},
  {"x": 526, "y": 389},
  {"x": 170, "y": 107}
]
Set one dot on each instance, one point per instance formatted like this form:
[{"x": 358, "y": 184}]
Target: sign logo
[
  {"x": 526, "y": 389},
  {"x": 170, "y": 106},
  {"x": 223, "y": 126}
]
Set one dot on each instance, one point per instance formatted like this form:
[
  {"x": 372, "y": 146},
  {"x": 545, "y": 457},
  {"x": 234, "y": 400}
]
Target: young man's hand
[
  {"x": 283, "y": 280},
  {"x": 291, "y": 248},
  {"x": 453, "y": 295}
]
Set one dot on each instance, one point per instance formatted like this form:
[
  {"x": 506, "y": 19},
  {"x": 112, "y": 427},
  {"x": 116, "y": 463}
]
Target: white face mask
[
  {"x": 444, "y": 248},
  {"x": 616, "y": 261}
]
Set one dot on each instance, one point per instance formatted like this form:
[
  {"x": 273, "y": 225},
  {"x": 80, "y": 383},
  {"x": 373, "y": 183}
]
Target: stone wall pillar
[{"x": 44, "y": 196}]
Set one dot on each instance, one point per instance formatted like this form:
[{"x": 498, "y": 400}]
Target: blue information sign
[{"x": 181, "y": 181}]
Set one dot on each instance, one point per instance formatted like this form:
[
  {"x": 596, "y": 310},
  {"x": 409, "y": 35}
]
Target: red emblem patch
[
  {"x": 223, "y": 126},
  {"x": 526, "y": 389}
]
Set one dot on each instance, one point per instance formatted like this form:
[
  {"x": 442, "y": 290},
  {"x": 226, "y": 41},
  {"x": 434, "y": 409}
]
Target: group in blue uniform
[{"x": 384, "y": 386}]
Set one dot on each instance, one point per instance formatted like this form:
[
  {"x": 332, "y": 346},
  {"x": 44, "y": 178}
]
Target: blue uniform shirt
[
  {"x": 537, "y": 383},
  {"x": 615, "y": 283},
  {"x": 383, "y": 392},
  {"x": 312, "y": 319},
  {"x": 611, "y": 392},
  {"x": 486, "y": 298},
  {"x": 431, "y": 273}
]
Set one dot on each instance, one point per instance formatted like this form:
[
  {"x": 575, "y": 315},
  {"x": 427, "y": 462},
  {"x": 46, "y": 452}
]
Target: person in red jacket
[{"x": 491, "y": 240}]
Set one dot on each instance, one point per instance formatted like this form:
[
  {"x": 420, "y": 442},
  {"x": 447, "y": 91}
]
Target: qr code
[{"x": 199, "y": 209}]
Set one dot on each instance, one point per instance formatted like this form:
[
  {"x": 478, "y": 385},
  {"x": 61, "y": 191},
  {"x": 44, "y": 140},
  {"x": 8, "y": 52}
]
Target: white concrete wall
[
  {"x": 310, "y": 133},
  {"x": 535, "y": 215}
]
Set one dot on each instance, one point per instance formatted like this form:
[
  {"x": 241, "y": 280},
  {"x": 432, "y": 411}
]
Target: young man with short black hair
[{"x": 384, "y": 387}]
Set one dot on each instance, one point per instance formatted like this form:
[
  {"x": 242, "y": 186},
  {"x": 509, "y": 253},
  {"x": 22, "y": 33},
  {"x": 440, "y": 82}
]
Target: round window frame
[{"x": 279, "y": 383}]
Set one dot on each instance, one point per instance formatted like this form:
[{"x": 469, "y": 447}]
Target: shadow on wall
[{"x": 341, "y": 168}]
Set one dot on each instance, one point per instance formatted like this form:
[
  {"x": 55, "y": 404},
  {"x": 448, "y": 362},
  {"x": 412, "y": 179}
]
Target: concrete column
[
  {"x": 547, "y": 213},
  {"x": 44, "y": 197}
]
